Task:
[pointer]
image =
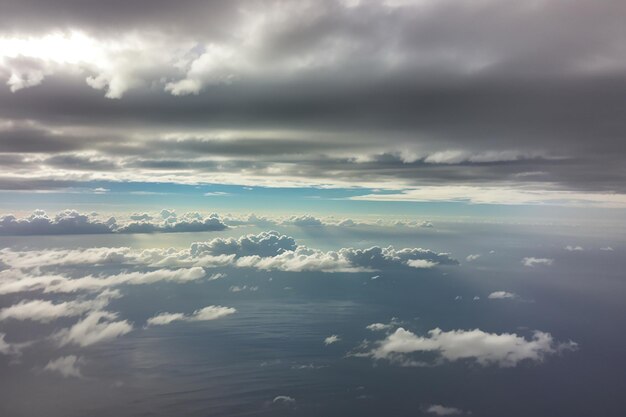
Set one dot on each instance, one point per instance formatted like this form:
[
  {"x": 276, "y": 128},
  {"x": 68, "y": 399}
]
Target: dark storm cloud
[{"x": 422, "y": 93}]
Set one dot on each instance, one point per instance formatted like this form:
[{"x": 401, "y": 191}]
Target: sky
[
  {"x": 304, "y": 208},
  {"x": 493, "y": 102}
]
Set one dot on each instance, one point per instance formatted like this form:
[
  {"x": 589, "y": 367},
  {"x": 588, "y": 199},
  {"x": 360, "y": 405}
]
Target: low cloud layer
[
  {"x": 72, "y": 222},
  {"x": 265, "y": 251},
  {"x": 69, "y": 222}
]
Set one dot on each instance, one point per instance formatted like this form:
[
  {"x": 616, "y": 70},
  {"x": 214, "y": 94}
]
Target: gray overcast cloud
[{"x": 397, "y": 94}]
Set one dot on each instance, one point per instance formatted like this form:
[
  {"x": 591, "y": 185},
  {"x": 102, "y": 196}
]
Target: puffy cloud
[
  {"x": 240, "y": 288},
  {"x": 73, "y": 222},
  {"x": 265, "y": 251},
  {"x": 607, "y": 249},
  {"x": 96, "y": 327},
  {"x": 264, "y": 244},
  {"x": 501, "y": 295},
  {"x": 505, "y": 350},
  {"x": 332, "y": 339},
  {"x": 173, "y": 224},
  {"x": 531, "y": 261},
  {"x": 375, "y": 327},
  {"x": 65, "y": 222},
  {"x": 46, "y": 311},
  {"x": 472, "y": 258},
  {"x": 302, "y": 259},
  {"x": 203, "y": 314},
  {"x": 576, "y": 248},
  {"x": 347, "y": 259},
  {"x": 379, "y": 258},
  {"x": 67, "y": 366},
  {"x": 441, "y": 410}
]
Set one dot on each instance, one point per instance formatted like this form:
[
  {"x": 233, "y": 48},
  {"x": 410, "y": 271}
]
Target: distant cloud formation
[
  {"x": 203, "y": 314},
  {"x": 472, "y": 258},
  {"x": 504, "y": 350},
  {"x": 65, "y": 222},
  {"x": 304, "y": 221},
  {"x": 66, "y": 366},
  {"x": 265, "y": 251},
  {"x": 532, "y": 262},
  {"x": 375, "y": 327},
  {"x": 45, "y": 311},
  {"x": 441, "y": 410},
  {"x": 73, "y": 222},
  {"x": 501, "y": 295},
  {"x": 168, "y": 221},
  {"x": 332, "y": 339},
  {"x": 96, "y": 327},
  {"x": 240, "y": 288}
]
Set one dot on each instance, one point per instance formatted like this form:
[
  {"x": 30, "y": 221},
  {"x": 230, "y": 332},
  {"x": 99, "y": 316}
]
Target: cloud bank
[{"x": 73, "y": 222}]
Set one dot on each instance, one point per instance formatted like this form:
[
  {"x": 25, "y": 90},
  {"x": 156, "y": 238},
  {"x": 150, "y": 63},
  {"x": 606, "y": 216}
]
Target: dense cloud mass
[
  {"x": 70, "y": 222},
  {"x": 73, "y": 222},
  {"x": 511, "y": 102},
  {"x": 66, "y": 222},
  {"x": 265, "y": 251}
]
